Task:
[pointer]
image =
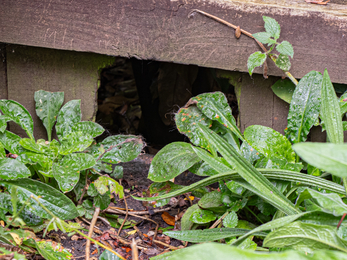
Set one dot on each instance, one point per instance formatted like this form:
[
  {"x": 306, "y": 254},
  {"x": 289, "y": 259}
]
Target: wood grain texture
[
  {"x": 160, "y": 30},
  {"x": 76, "y": 74}
]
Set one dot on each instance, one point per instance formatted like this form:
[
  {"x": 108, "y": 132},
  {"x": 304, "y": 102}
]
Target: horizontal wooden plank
[{"x": 161, "y": 30}]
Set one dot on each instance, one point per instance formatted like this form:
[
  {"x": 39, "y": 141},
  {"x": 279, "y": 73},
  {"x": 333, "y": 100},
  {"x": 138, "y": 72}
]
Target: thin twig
[
  {"x": 164, "y": 244},
  {"x": 289, "y": 75},
  {"x": 142, "y": 212},
  {"x": 117, "y": 211},
  {"x": 126, "y": 216},
  {"x": 90, "y": 233},
  {"x": 124, "y": 241},
  {"x": 219, "y": 220},
  {"x": 134, "y": 251}
]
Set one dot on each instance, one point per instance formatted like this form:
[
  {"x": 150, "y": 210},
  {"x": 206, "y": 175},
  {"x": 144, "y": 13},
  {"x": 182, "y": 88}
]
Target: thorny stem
[{"x": 288, "y": 74}]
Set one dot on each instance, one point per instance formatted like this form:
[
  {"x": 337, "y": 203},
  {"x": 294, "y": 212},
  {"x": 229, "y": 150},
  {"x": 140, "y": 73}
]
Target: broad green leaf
[
  {"x": 67, "y": 171},
  {"x": 104, "y": 184},
  {"x": 304, "y": 107},
  {"x": 326, "y": 156},
  {"x": 330, "y": 111},
  {"x": 102, "y": 201},
  {"x": 171, "y": 161},
  {"x": 263, "y": 37},
  {"x": 246, "y": 170},
  {"x": 187, "y": 120},
  {"x": 305, "y": 237},
  {"x": 208, "y": 235},
  {"x": 283, "y": 62},
  {"x": 208, "y": 251},
  {"x": 18, "y": 114},
  {"x": 2, "y": 151},
  {"x": 230, "y": 221},
  {"x": 330, "y": 202},
  {"x": 285, "y": 48},
  {"x": 322, "y": 218},
  {"x": 11, "y": 169},
  {"x": 107, "y": 255},
  {"x": 52, "y": 250},
  {"x": 88, "y": 127},
  {"x": 186, "y": 223},
  {"x": 11, "y": 142},
  {"x": 255, "y": 60},
  {"x": 273, "y": 224},
  {"x": 272, "y": 174},
  {"x": 68, "y": 116},
  {"x": 284, "y": 89},
  {"x": 204, "y": 169},
  {"x": 121, "y": 148},
  {"x": 249, "y": 153},
  {"x": 212, "y": 201},
  {"x": 269, "y": 142},
  {"x": 37, "y": 158},
  {"x": 47, "y": 106},
  {"x": 202, "y": 216},
  {"x": 60, "y": 205},
  {"x": 75, "y": 142},
  {"x": 272, "y": 26},
  {"x": 3, "y": 124},
  {"x": 31, "y": 145},
  {"x": 215, "y": 106}
]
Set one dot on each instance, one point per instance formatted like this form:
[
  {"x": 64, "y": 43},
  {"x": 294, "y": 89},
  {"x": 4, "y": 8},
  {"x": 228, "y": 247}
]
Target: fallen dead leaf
[
  {"x": 170, "y": 220},
  {"x": 74, "y": 238}
]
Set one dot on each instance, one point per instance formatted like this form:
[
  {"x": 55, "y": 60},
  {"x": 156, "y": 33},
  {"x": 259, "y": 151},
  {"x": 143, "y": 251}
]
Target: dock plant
[{"x": 276, "y": 192}]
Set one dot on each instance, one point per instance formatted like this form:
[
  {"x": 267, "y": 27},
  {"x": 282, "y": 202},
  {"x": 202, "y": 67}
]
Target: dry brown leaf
[{"x": 170, "y": 220}]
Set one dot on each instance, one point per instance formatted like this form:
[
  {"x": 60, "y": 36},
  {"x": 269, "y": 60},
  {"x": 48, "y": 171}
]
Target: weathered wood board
[
  {"x": 30, "y": 69},
  {"x": 161, "y": 30}
]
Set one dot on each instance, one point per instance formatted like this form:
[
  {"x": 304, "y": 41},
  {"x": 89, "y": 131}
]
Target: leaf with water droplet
[{"x": 304, "y": 107}]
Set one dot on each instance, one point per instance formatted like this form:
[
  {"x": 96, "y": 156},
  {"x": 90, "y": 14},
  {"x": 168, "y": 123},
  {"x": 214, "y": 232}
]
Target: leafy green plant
[
  {"x": 43, "y": 169},
  {"x": 261, "y": 176}
]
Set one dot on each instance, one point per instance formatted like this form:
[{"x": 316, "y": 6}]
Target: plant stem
[
  {"x": 288, "y": 74},
  {"x": 345, "y": 183},
  {"x": 17, "y": 213},
  {"x": 254, "y": 215}
]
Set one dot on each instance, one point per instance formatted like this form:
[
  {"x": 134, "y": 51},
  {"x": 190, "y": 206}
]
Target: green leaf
[
  {"x": 11, "y": 169},
  {"x": 269, "y": 142},
  {"x": 69, "y": 115},
  {"x": 47, "y": 106},
  {"x": 285, "y": 48},
  {"x": 230, "y": 221},
  {"x": 2, "y": 151},
  {"x": 208, "y": 235},
  {"x": 11, "y": 142},
  {"x": 31, "y": 145},
  {"x": 125, "y": 148},
  {"x": 88, "y": 127},
  {"x": 284, "y": 89},
  {"x": 272, "y": 26},
  {"x": 330, "y": 111},
  {"x": 60, "y": 205},
  {"x": 102, "y": 201},
  {"x": 330, "y": 202},
  {"x": 52, "y": 250},
  {"x": 186, "y": 223},
  {"x": 202, "y": 216},
  {"x": 75, "y": 142},
  {"x": 263, "y": 186},
  {"x": 107, "y": 255},
  {"x": 103, "y": 184},
  {"x": 18, "y": 114},
  {"x": 305, "y": 237},
  {"x": 212, "y": 201},
  {"x": 255, "y": 60},
  {"x": 283, "y": 62},
  {"x": 326, "y": 156},
  {"x": 67, "y": 171},
  {"x": 215, "y": 106},
  {"x": 208, "y": 251},
  {"x": 171, "y": 161},
  {"x": 264, "y": 37},
  {"x": 3, "y": 123},
  {"x": 304, "y": 107},
  {"x": 187, "y": 120}
]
